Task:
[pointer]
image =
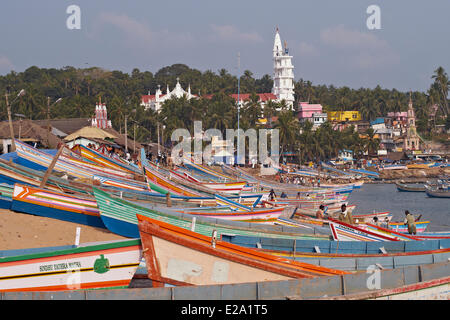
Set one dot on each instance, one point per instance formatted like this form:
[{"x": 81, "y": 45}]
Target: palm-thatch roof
[
  {"x": 90, "y": 132},
  {"x": 27, "y": 130}
]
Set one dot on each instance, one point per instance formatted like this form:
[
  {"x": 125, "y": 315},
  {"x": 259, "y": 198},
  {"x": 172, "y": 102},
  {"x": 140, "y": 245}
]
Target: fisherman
[
  {"x": 298, "y": 196},
  {"x": 283, "y": 195},
  {"x": 345, "y": 215},
  {"x": 272, "y": 195},
  {"x": 411, "y": 222},
  {"x": 320, "y": 213}
]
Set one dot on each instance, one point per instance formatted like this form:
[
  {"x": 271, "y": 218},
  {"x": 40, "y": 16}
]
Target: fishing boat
[
  {"x": 410, "y": 187},
  {"x": 345, "y": 232},
  {"x": 72, "y": 166},
  {"x": 119, "y": 216},
  {"x": 56, "y": 205},
  {"x": 421, "y": 226},
  {"x": 225, "y": 187},
  {"x": 104, "y": 160},
  {"x": 332, "y": 247},
  {"x": 5, "y": 196},
  {"x": 435, "y": 289},
  {"x": 88, "y": 266},
  {"x": 437, "y": 192},
  {"x": 177, "y": 256},
  {"x": 357, "y": 262}
]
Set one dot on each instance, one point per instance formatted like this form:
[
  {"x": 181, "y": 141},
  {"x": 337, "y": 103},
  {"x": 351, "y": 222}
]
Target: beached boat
[
  {"x": 88, "y": 266},
  {"x": 345, "y": 232},
  {"x": 119, "y": 216},
  {"x": 356, "y": 262},
  {"x": 178, "y": 256},
  {"x": 421, "y": 226},
  {"x": 435, "y": 289},
  {"x": 104, "y": 160},
  {"x": 71, "y": 166},
  {"x": 331, "y": 247},
  {"x": 410, "y": 187},
  {"x": 56, "y": 205}
]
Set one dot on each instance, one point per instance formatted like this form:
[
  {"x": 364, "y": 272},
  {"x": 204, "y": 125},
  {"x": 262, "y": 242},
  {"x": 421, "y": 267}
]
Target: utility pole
[
  {"x": 238, "y": 106},
  {"x": 126, "y": 136},
  {"x": 11, "y": 130},
  {"x": 157, "y": 129},
  {"x": 48, "y": 122}
]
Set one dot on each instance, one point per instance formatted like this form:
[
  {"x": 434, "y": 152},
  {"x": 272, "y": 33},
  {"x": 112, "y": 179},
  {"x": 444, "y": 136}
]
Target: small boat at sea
[
  {"x": 109, "y": 264},
  {"x": 410, "y": 187},
  {"x": 442, "y": 191},
  {"x": 177, "y": 256}
]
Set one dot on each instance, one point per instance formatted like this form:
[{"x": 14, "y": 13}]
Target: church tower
[
  {"x": 411, "y": 139},
  {"x": 283, "y": 74}
]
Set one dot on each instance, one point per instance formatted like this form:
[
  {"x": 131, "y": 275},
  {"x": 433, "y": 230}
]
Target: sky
[{"x": 329, "y": 40}]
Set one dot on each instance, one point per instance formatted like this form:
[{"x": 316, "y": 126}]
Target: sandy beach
[{"x": 20, "y": 231}]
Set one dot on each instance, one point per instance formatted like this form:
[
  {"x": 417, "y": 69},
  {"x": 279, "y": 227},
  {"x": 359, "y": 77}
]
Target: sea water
[{"x": 386, "y": 197}]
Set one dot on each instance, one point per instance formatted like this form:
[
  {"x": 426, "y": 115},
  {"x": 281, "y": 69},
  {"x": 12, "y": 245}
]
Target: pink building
[
  {"x": 306, "y": 110},
  {"x": 398, "y": 116}
]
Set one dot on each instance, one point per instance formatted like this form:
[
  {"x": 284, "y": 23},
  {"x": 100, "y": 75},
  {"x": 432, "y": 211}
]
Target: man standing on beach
[
  {"x": 411, "y": 222},
  {"x": 345, "y": 215}
]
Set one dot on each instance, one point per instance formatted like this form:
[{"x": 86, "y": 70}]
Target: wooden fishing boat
[
  {"x": 178, "y": 256},
  {"x": 160, "y": 180},
  {"x": 409, "y": 187},
  {"x": 435, "y": 289},
  {"x": 5, "y": 196},
  {"x": 103, "y": 160},
  {"x": 72, "y": 166},
  {"x": 421, "y": 226},
  {"x": 88, "y": 266},
  {"x": 56, "y": 205},
  {"x": 356, "y": 262},
  {"x": 257, "y": 215},
  {"x": 119, "y": 216},
  {"x": 437, "y": 192},
  {"x": 331, "y": 247},
  {"x": 225, "y": 187},
  {"x": 345, "y": 232}
]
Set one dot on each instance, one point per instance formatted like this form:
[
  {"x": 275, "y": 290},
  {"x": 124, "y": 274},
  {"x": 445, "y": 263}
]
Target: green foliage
[{"x": 81, "y": 88}]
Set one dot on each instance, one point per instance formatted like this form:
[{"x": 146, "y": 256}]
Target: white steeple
[
  {"x": 277, "y": 48},
  {"x": 283, "y": 74}
]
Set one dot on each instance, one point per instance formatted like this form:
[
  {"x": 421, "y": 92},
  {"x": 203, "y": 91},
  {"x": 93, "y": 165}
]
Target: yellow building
[{"x": 341, "y": 116}]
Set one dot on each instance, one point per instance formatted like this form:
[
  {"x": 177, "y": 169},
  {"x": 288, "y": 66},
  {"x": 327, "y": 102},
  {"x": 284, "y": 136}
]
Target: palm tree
[
  {"x": 288, "y": 127},
  {"x": 442, "y": 85},
  {"x": 372, "y": 143}
]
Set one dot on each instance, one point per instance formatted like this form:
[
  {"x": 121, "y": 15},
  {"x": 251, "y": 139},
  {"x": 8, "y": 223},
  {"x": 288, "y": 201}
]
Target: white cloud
[
  {"x": 5, "y": 64},
  {"x": 232, "y": 34},
  {"x": 305, "y": 49},
  {"x": 139, "y": 35},
  {"x": 363, "y": 50}
]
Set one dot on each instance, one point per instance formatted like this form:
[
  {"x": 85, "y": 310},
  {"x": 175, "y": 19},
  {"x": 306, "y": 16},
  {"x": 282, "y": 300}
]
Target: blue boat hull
[
  {"x": 34, "y": 209},
  {"x": 341, "y": 247},
  {"x": 122, "y": 228}
]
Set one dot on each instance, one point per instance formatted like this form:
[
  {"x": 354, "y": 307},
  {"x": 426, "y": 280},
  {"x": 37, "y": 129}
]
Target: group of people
[
  {"x": 346, "y": 216},
  {"x": 312, "y": 182}
]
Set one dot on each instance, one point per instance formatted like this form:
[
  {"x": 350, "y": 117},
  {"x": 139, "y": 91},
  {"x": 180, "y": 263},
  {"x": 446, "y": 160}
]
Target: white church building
[
  {"x": 155, "y": 101},
  {"x": 283, "y": 83},
  {"x": 283, "y": 72}
]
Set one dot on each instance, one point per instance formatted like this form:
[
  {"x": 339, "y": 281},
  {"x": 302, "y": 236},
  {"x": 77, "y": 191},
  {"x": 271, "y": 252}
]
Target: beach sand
[{"x": 21, "y": 231}]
